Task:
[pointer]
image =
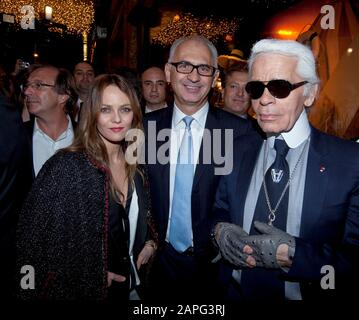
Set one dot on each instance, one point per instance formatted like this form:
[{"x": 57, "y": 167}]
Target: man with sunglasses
[
  {"x": 50, "y": 97},
  {"x": 288, "y": 214},
  {"x": 183, "y": 192}
]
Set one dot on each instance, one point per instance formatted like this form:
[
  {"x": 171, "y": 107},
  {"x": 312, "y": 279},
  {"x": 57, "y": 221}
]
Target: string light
[
  {"x": 84, "y": 45},
  {"x": 188, "y": 24},
  {"x": 76, "y": 15}
]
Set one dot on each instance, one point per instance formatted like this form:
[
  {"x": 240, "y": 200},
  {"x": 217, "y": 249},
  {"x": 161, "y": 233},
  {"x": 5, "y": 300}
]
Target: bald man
[{"x": 154, "y": 88}]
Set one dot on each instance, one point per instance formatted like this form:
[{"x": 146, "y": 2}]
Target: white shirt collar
[
  {"x": 148, "y": 110},
  {"x": 200, "y": 116},
  {"x": 62, "y": 135},
  {"x": 297, "y": 135}
]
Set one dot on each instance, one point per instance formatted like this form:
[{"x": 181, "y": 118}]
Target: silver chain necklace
[{"x": 272, "y": 212}]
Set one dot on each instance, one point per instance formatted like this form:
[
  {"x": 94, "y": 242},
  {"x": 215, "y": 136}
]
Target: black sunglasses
[{"x": 277, "y": 88}]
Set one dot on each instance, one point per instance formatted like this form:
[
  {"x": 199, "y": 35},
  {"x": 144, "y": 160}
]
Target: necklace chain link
[{"x": 272, "y": 212}]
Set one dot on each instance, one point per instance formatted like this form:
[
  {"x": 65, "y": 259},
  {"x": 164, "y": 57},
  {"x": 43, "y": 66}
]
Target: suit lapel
[
  {"x": 211, "y": 123},
  {"x": 315, "y": 183},
  {"x": 247, "y": 160},
  {"x": 142, "y": 197},
  {"x": 29, "y": 125},
  {"x": 164, "y": 170}
]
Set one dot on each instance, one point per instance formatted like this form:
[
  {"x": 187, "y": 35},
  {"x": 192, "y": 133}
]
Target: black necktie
[
  {"x": 261, "y": 283},
  {"x": 276, "y": 179}
]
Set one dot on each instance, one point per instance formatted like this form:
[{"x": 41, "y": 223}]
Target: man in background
[
  {"x": 84, "y": 75},
  {"x": 50, "y": 96},
  {"x": 236, "y": 99},
  {"x": 154, "y": 89}
]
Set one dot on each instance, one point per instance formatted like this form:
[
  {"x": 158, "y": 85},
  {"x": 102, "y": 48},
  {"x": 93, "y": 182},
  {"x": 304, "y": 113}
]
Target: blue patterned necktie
[{"x": 180, "y": 235}]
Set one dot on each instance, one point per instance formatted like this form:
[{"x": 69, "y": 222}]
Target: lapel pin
[{"x": 322, "y": 168}]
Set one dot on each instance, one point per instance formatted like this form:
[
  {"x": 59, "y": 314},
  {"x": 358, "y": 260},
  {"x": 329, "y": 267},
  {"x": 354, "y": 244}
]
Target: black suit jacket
[
  {"x": 205, "y": 181},
  {"x": 329, "y": 229},
  {"x": 15, "y": 180}
]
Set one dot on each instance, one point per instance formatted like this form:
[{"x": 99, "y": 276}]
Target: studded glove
[
  {"x": 266, "y": 244},
  {"x": 230, "y": 243}
]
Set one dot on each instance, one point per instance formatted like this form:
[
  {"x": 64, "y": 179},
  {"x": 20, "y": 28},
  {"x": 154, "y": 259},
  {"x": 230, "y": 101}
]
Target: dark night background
[{"x": 66, "y": 49}]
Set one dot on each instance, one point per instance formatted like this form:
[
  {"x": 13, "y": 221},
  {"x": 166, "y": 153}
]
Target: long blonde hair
[{"x": 87, "y": 138}]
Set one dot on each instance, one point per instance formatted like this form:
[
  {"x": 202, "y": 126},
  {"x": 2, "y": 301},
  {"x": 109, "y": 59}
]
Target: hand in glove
[
  {"x": 264, "y": 248},
  {"x": 229, "y": 241}
]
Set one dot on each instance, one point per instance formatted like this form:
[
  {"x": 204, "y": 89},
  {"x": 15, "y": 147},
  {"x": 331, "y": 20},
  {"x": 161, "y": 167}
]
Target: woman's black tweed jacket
[{"x": 63, "y": 229}]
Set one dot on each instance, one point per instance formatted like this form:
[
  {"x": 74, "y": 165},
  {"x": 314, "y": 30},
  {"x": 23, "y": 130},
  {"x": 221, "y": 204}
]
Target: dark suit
[
  {"x": 15, "y": 180},
  {"x": 329, "y": 229},
  {"x": 187, "y": 272}
]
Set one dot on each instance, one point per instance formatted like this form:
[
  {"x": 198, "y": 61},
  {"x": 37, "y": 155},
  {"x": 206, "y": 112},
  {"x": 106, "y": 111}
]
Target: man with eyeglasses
[
  {"x": 183, "y": 185},
  {"x": 50, "y": 97},
  {"x": 288, "y": 214}
]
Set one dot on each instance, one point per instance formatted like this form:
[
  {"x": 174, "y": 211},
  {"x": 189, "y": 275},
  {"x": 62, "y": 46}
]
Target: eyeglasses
[
  {"x": 37, "y": 85},
  {"x": 186, "y": 68},
  {"x": 278, "y": 88}
]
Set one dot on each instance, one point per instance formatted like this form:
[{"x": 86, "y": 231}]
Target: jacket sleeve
[
  {"x": 310, "y": 258},
  {"x": 151, "y": 227},
  {"x": 40, "y": 230},
  {"x": 335, "y": 259},
  {"x": 221, "y": 204}
]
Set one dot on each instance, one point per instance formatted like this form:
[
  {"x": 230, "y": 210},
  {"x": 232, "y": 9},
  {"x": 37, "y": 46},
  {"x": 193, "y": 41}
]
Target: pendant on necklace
[{"x": 271, "y": 218}]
